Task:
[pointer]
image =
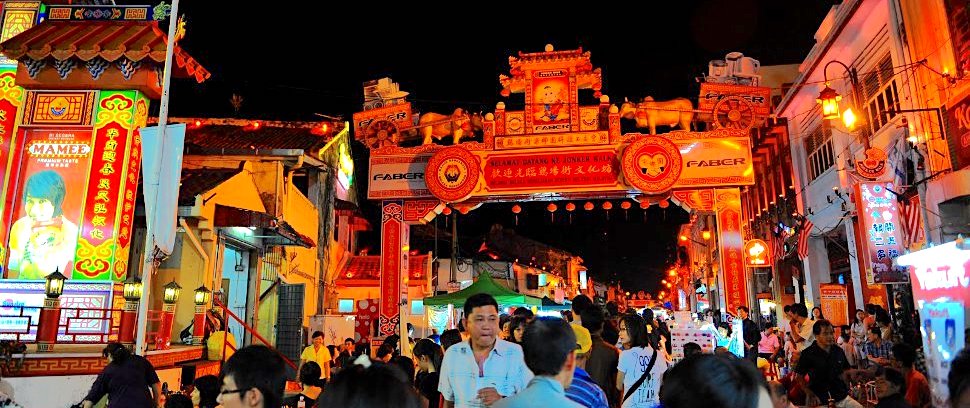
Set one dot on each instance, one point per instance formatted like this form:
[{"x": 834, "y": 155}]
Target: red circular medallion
[
  {"x": 452, "y": 174},
  {"x": 652, "y": 164}
]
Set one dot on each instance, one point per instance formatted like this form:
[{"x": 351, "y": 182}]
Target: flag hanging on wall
[{"x": 803, "y": 235}]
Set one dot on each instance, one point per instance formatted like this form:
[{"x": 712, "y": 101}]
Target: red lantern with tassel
[
  {"x": 446, "y": 211},
  {"x": 588, "y": 206},
  {"x": 516, "y": 209},
  {"x": 626, "y": 206},
  {"x": 552, "y": 207},
  {"x": 570, "y": 207},
  {"x": 644, "y": 205},
  {"x": 607, "y": 206}
]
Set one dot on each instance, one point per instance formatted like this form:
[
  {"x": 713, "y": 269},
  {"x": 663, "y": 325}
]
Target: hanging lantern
[
  {"x": 626, "y": 206},
  {"x": 464, "y": 210},
  {"x": 588, "y": 206},
  {"x": 644, "y": 205},
  {"x": 516, "y": 209},
  {"x": 446, "y": 211},
  {"x": 607, "y": 206},
  {"x": 552, "y": 207},
  {"x": 664, "y": 203},
  {"x": 570, "y": 207}
]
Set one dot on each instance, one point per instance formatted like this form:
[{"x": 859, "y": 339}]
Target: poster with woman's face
[{"x": 48, "y": 202}]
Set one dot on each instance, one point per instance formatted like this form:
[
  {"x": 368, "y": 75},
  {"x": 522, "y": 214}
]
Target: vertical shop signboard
[
  {"x": 728, "y": 206},
  {"x": 70, "y": 191},
  {"x": 834, "y": 301},
  {"x": 880, "y": 222},
  {"x": 941, "y": 294}
]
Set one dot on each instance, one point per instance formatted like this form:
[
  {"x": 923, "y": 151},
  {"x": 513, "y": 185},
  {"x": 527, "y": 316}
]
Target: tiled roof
[
  {"x": 265, "y": 136},
  {"x": 199, "y": 181},
  {"x": 363, "y": 270},
  {"x": 138, "y": 41}
]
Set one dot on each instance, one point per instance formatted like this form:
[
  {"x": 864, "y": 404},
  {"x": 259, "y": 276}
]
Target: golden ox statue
[
  {"x": 650, "y": 113},
  {"x": 459, "y": 125}
]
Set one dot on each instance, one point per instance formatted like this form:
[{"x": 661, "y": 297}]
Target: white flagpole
[{"x": 148, "y": 271}]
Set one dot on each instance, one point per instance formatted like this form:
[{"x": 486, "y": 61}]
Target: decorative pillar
[
  {"x": 393, "y": 265},
  {"x": 132, "y": 292},
  {"x": 50, "y": 315},
  {"x": 728, "y": 207},
  {"x": 202, "y": 295},
  {"x": 169, "y": 297}
]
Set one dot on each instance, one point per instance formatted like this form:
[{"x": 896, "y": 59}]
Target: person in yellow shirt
[{"x": 317, "y": 353}]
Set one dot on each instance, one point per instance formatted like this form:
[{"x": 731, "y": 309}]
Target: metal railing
[{"x": 250, "y": 330}]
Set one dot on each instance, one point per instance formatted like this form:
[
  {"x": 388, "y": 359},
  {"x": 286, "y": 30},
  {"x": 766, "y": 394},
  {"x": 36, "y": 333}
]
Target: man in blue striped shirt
[{"x": 583, "y": 389}]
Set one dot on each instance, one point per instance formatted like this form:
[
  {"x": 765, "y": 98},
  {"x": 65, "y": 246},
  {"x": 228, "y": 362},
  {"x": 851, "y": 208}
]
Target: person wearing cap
[{"x": 583, "y": 389}]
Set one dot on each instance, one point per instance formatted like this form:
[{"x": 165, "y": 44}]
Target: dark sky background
[{"x": 291, "y": 60}]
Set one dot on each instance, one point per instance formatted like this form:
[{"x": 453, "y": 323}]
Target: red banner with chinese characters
[
  {"x": 512, "y": 172},
  {"x": 47, "y": 202},
  {"x": 98, "y": 239},
  {"x": 882, "y": 237},
  {"x": 728, "y": 207},
  {"x": 392, "y": 230}
]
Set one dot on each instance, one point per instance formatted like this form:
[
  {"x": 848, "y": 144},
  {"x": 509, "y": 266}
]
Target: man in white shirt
[
  {"x": 802, "y": 327},
  {"x": 484, "y": 369}
]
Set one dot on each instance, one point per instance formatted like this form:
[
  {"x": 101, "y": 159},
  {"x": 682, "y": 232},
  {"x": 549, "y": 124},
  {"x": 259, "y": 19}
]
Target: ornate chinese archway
[{"x": 553, "y": 149}]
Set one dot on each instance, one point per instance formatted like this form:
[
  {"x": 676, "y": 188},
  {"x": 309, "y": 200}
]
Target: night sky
[{"x": 300, "y": 58}]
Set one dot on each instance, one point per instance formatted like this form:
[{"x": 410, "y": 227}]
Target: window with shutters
[
  {"x": 881, "y": 96},
  {"x": 821, "y": 151}
]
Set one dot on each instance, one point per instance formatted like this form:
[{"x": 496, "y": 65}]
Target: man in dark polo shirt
[
  {"x": 824, "y": 363},
  {"x": 603, "y": 357}
]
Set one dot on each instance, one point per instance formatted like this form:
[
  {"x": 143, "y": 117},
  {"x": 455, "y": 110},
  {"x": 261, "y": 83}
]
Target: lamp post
[
  {"x": 132, "y": 292},
  {"x": 202, "y": 295},
  {"x": 50, "y": 315},
  {"x": 170, "y": 295},
  {"x": 829, "y": 99}
]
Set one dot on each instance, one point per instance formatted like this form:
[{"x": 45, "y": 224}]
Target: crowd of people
[{"x": 592, "y": 357}]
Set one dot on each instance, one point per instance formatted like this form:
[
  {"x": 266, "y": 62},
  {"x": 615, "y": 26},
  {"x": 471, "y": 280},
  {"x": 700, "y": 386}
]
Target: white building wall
[{"x": 858, "y": 34}]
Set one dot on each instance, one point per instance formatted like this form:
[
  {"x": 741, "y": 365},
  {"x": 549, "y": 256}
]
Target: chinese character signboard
[
  {"x": 728, "y": 207},
  {"x": 71, "y": 197},
  {"x": 834, "y": 301},
  {"x": 941, "y": 291},
  {"x": 393, "y": 230},
  {"x": 879, "y": 217}
]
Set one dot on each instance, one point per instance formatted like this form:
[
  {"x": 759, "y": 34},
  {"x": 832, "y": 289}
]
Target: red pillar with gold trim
[
  {"x": 393, "y": 230},
  {"x": 198, "y": 325},
  {"x": 50, "y": 317},
  {"x": 126, "y": 331}
]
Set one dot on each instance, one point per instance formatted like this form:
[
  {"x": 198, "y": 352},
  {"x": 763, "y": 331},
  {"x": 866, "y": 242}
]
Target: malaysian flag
[
  {"x": 803, "y": 234},
  {"x": 912, "y": 219}
]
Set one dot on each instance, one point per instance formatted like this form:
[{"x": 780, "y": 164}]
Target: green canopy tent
[
  {"x": 549, "y": 304},
  {"x": 484, "y": 284}
]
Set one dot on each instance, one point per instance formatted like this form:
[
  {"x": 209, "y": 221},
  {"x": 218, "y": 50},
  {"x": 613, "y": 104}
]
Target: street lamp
[
  {"x": 54, "y": 286},
  {"x": 171, "y": 292},
  {"x": 829, "y": 98},
  {"x": 133, "y": 289},
  {"x": 706, "y": 234},
  {"x": 202, "y": 295}
]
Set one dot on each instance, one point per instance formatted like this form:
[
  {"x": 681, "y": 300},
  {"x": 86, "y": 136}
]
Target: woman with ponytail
[{"x": 429, "y": 356}]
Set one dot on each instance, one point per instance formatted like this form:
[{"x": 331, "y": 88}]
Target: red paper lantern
[
  {"x": 644, "y": 204},
  {"x": 516, "y": 209},
  {"x": 446, "y": 211},
  {"x": 625, "y": 205},
  {"x": 588, "y": 206},
  {"x": 664, "y": 203},
  {"x": 607, "y": 205},
  {"x": 570, "y": 207},
  {"x": 464, "y": 210},
  {"x": 552, "y": 207}
]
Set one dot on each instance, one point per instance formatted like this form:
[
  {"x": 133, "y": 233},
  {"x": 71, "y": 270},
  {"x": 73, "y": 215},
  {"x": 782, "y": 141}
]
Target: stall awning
[
  {"x": 365, "y": 270},
  {"x": 283, "y": 232},
  {"x": 484, "y": 284}
]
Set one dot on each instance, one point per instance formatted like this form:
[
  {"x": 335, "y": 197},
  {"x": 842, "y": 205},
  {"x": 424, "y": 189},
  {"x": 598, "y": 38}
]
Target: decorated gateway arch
[{"x": 556, "y": 149}]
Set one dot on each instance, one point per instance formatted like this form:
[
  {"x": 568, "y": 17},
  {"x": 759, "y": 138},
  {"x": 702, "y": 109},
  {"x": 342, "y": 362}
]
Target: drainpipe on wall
[{"x": 198, "y": 247}]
